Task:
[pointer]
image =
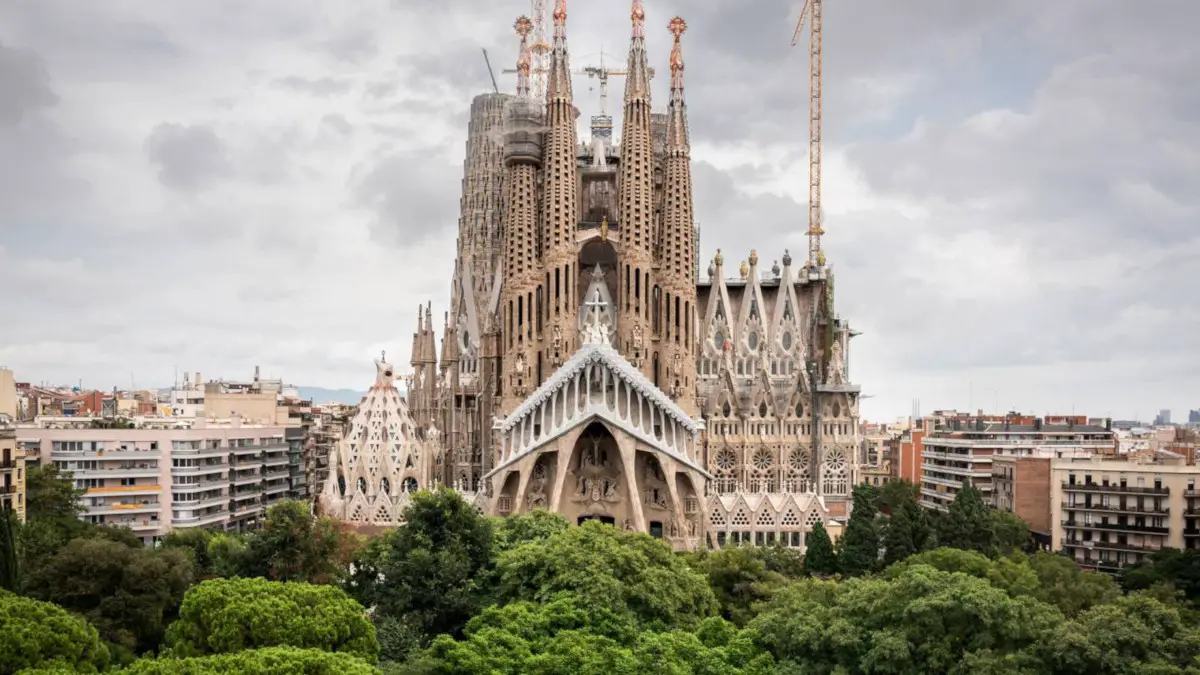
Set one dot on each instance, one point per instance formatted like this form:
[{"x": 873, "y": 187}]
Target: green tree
[
  {"x": 1133, "y": 634},
  {"x": 896, "y": 492},
  {"x": 908, "y": 531},
  {"x": 612, "y": 571},
  {"x": 36, "y": 634},
  {"x": 512, "y": 531},
  {"x": 819, "y": 556},
  {"x": 741, "y": 578},
  {"x": 129, "y": 594},
  {"x": 295, "y": 546},
  {"x": 10, "y": 568},
  {"x": 566, "y": 636},
  {"x": 1063, "y": 584},
  {"x": 433, "y": 570},
  {"x": 221, "y": 616},
  {"x": 1010, "y": 533},
  {"x": 968, "y": 522},
  {"x": 52, "y": 508},
  {"x": 921, "y": 620},
  {"x": 859, "y": 545},
  {"x": 267, "y": 661},
  {"x": 1169, "y": 568},
  {"x": 366, "y": 578},
  {"x": 195, "y": 541},
  {"x": 50, "y": 494}
]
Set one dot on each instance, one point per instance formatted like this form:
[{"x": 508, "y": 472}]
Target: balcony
[
  {"x": 124, "y": 489},
  {"x": 116, "y": 472},
  {"x": 1111, "y": 545},
  {"x": 1093, "y": 443},
  {"x": 199, "y": 453},
  {"x": 202, "y": 485},
  {"x": 199, "y": 501},
  {"x": 107, "y": 509},
  {"x": 200, "y": 520},
  {"x": 1151, "y": 529},
  {"x": 1117, "y": 508},
  {"x": 1115, "y": 489}
]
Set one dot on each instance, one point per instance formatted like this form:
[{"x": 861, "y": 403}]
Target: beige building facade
[
  {"x": 967, "y": 449},
  {"x": 12, "y": 458},
  {"x": 1107, "y": 514},
  {"x": 166, "y": 473}
]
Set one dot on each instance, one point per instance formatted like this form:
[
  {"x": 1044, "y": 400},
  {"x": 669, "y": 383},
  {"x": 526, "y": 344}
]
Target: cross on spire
[{"x": 595, "y": 332}]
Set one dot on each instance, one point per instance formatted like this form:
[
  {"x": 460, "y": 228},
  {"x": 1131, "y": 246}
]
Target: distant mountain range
[{"x": 322, "y": 395}]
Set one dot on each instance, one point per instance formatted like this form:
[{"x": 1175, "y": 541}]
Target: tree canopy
[
  {"x": 36, "y": 634},
  {"x": 222, "y": 616}
]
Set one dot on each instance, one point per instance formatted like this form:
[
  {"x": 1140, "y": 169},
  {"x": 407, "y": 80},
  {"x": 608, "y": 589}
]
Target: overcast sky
[{"x": 1012, "y": 187}]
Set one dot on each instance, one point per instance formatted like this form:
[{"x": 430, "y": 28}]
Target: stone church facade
[{"x": 587, "y": 365}]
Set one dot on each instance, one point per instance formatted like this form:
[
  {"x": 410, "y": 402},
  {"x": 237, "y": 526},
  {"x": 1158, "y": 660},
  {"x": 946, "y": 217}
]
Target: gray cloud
[
  {"x": 337, "y": 123},
  {"x": 406, "y": 193},
  {"x": 24, "y": 85},
  {"x": 323, "y": 86},
  {"x": 1010, "y": 187},
  {"x": 187, "y": 157}
]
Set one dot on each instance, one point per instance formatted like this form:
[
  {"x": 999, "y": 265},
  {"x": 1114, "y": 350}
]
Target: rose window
[
  {"x": 762, "y": 460},
  {"x": 725, "y": 460}
]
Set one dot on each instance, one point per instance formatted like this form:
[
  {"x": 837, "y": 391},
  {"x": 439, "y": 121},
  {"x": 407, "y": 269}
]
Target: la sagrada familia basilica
[{"x": 588, "y": 365}]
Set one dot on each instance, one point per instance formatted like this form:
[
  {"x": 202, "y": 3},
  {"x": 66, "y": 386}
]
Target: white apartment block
[
  {"x": 956, "y": 451},
  {"x": 1113, "y": 513},
  {"x": 167, "y": 473}
]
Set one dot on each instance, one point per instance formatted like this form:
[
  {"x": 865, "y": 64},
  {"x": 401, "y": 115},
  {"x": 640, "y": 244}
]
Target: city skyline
[{"x": 272, "y": 194}]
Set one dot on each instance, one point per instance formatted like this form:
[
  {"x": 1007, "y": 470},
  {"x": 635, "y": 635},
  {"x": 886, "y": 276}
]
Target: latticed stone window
[
  {"x": 791, "y": 518},
  {"x": 740, "y": 518}
]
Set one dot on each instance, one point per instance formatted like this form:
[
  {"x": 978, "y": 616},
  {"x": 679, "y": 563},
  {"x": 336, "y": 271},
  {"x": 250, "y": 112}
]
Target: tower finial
[
  {"x": 677, "y": 27},
  {"x": 523, "y": 26},
  {"x": 637, "y": 15},
  {"x": 560, "y": 19},
  {"x": 558, "y": 83}
]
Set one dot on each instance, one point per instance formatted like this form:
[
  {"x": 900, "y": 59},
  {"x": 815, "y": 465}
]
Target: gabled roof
[{"x": 601, "y": 353}]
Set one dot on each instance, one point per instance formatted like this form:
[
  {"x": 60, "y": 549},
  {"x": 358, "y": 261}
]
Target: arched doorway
[{"x": 596, "y": 489}]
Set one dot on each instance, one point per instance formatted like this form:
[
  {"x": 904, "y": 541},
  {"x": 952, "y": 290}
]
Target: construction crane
[
  {"x": 540, "y": 49},
  {"x": 491, "y": 72},
  {"x": 812, "y": 12}
]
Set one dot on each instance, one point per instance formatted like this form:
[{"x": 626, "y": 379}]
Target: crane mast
[
  {"x": 812, "y": 12},
  {"x": 540, "y": 49}
]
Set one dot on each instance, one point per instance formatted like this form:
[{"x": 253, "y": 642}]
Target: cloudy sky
[{"x": 1012, "y": 186}]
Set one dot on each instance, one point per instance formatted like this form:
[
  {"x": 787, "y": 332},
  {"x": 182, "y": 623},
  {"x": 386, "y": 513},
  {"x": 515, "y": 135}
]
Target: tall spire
[
  {"x": 677, "y": 128},
  {"x": 524, "y": 58},
  {"x": 559, "y": 84},
  {"x": 637, "y": 82},
  {"x": 677, "y": 266}
]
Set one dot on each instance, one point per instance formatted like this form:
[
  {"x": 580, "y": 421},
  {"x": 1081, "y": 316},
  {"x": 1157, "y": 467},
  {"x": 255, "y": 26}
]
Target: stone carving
[
  {"x": 637, "y": 357},
  {"x": 595, "y": 482},
  {"x": 837, "y": 365},
  {"x": 556, "y": 346}
]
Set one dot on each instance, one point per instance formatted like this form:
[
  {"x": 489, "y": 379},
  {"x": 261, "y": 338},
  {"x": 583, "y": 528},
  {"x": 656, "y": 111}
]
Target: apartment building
[
  {"x": 1021, "y": 486},
  {"x": 1109, "y": 513},
  {"x": 957, "y": 449},
  {"x": 12, "y": 460},
  {"x": 154, "y": 474}
]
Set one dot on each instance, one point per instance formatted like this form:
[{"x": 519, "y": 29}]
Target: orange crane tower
[{"x": 812, "y": 11}]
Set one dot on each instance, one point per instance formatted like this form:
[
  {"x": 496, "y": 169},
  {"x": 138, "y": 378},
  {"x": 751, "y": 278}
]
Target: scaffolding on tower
[{"x": 539, "y": 49}]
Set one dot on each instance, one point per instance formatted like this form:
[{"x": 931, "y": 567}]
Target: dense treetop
[{"x": 903, "y": 591}]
